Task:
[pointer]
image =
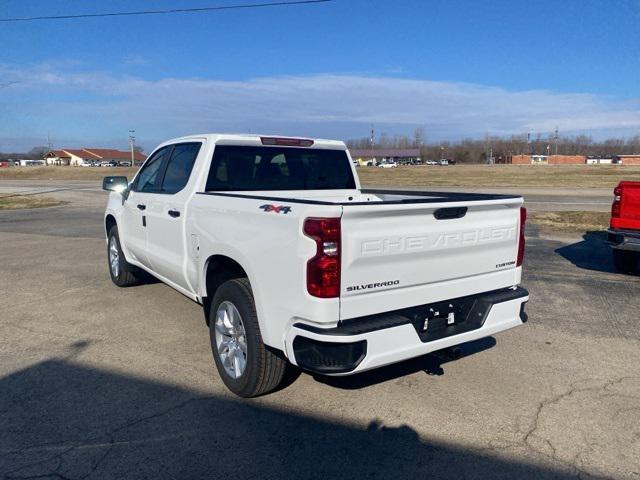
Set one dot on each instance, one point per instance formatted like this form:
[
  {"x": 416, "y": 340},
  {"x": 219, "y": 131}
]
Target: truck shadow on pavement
[
  {"x": 430, "y": 364},
  {"x": 591, "y": 253},
  {"x": 64, "y": 420}
]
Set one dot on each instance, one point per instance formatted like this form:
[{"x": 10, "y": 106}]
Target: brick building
[
  {"x": 546, "y": 160},
  {"x": 627, "y": 159},
  {"x": 567, "y": 160}
]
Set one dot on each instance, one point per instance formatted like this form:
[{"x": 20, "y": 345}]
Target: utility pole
[
  {"x": 49, "y": 147},
  {"x": 132, "y": 141},
  {"x": 555, "y": 140},
  {"x": 371, "y": 143}
]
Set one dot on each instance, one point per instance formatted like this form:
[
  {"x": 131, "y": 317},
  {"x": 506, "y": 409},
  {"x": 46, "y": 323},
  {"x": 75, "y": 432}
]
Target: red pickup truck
[{"x": 624, "y": 231}]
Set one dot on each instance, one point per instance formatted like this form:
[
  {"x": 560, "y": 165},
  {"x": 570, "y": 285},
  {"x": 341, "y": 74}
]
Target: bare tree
[
  {"x": 418, "y": 137},
  {"x": 37, "y": 152},
  {"x": 469, "y": 150}
]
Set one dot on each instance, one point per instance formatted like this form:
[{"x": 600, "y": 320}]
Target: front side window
[
  {"x": 278, "y": 168},
  {"x": 149, "y": 177},
  {"x": 179, "y": 167}
]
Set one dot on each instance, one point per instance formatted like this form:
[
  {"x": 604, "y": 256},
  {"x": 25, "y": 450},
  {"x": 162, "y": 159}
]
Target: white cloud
[{"x": 91, "y": 104}]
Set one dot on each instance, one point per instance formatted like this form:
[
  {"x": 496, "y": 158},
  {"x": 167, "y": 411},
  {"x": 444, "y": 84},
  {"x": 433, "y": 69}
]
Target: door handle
[
  {"x": 141, "y": 206},
  {"x": 174, "y": 213}
]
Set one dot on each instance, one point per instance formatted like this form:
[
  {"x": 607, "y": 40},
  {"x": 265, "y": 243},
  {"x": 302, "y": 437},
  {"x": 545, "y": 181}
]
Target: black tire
[
  {"x": 126, "y": 275},
  {"x": 264, "y": 370},
  {"x": 625, "y": 261}
]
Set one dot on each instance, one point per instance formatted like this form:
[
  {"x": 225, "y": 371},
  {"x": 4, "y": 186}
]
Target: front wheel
[
  {"x": 123, "y": 274},
  {"x": 245, "y": 364},
  {"x": 625, "y": 261}
]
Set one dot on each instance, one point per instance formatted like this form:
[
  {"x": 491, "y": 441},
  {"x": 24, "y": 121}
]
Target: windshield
[{"x": 278, "y": 168}]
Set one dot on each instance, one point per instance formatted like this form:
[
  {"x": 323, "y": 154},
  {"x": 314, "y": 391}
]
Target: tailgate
[
  {"x": 630, "y": 207},
  {"x": 396, "y": 256}
]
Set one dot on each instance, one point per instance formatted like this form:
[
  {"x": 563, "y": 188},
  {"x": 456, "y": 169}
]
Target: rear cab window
[
  {"x": 179, "y": 167},
  {"x": 248, "y": 168}
]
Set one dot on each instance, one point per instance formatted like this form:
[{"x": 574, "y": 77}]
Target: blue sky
[{"x": 455, "y": 68}]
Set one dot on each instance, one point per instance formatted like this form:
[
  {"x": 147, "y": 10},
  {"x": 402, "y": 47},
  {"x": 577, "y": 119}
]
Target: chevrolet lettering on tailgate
[{"x": 438, "y": 241}]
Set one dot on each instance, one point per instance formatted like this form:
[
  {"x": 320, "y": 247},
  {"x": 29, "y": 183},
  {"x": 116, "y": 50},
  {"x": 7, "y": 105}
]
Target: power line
[{"x": 162, "y": 12}]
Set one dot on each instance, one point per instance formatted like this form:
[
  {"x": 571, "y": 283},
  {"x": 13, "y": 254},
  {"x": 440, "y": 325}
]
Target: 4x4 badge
[{"x": 275, "y": 208}]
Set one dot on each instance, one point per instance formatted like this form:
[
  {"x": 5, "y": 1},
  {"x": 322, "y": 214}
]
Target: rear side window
[
  {"x": 148, "y": 180},
  {"x": 278, "y": 168},
  {"x": 179, "y": 167}
]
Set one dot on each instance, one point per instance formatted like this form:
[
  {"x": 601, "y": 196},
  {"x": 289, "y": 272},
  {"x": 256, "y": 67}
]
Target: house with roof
[
  {"x": 75, "y": 156},
  {"x": 57, "y": 157}
]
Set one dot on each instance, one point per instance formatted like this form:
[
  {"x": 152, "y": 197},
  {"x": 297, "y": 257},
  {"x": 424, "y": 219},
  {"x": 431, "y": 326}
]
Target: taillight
[
  {"x": 521, "y": 242},
  {"x": 617, "y": 201},
  {"x": 323, "y": 270}
]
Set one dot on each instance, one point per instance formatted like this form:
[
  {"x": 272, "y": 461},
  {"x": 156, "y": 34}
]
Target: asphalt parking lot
[{"x": 101, "y": 382}]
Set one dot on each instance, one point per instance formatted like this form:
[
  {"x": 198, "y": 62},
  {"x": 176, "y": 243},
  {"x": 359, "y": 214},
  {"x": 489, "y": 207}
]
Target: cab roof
[{"x": 257, "y": 140}]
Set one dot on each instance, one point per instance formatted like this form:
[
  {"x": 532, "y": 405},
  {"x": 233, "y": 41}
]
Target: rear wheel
[
  {"x": 246, "y": 365},
  {"x": 625, "y": 261},
  {"x": 123, "y": 274}
]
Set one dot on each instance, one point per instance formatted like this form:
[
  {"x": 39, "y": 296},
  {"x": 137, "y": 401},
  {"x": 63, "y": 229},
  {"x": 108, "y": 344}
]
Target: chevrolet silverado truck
[
  {"x": 296, "y": 265},
  {"x": 624, "y": 230}
]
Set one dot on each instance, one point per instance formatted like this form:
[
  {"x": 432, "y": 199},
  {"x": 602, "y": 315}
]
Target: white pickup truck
[{"x": 294, "y": 263}]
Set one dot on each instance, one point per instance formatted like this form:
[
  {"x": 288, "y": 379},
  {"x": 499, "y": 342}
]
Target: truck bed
[
  {"x": 406, "y": 248},
  {"x": 367, "y": 197}
]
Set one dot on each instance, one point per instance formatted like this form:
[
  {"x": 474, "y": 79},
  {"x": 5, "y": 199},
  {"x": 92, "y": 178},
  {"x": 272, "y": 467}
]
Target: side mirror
[{"x": 115, "y": 184}]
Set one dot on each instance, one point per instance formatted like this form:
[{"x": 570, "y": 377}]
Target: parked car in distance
[
  {"x": 387, "y": 164},
  {"x": 86, "y": 163},
  {"x": 295, "y": 264},
  {"x": 124, "y": 164},
  {"x": 431, "y": 162},
  {"x": 624, "y": 229}
]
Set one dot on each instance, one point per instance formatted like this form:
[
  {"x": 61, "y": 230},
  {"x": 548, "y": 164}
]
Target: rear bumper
[
  {"x": 377, "y": 340},
  {"x": 624, "y": 239}
]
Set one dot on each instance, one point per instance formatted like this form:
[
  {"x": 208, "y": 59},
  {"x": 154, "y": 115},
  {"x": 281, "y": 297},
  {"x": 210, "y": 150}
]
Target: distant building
[
  {"x": 72, "y": 156},
  {"x": 30, "y": 163},
  {"x": 626, "y": 159},
  {"x": 20, "y": 163},
  {"x": 597, "y": 160},
  {"x": 545, "y": 159},
  {"x": 375, "y": 156},
  {"x": 57, "y": 157}
]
